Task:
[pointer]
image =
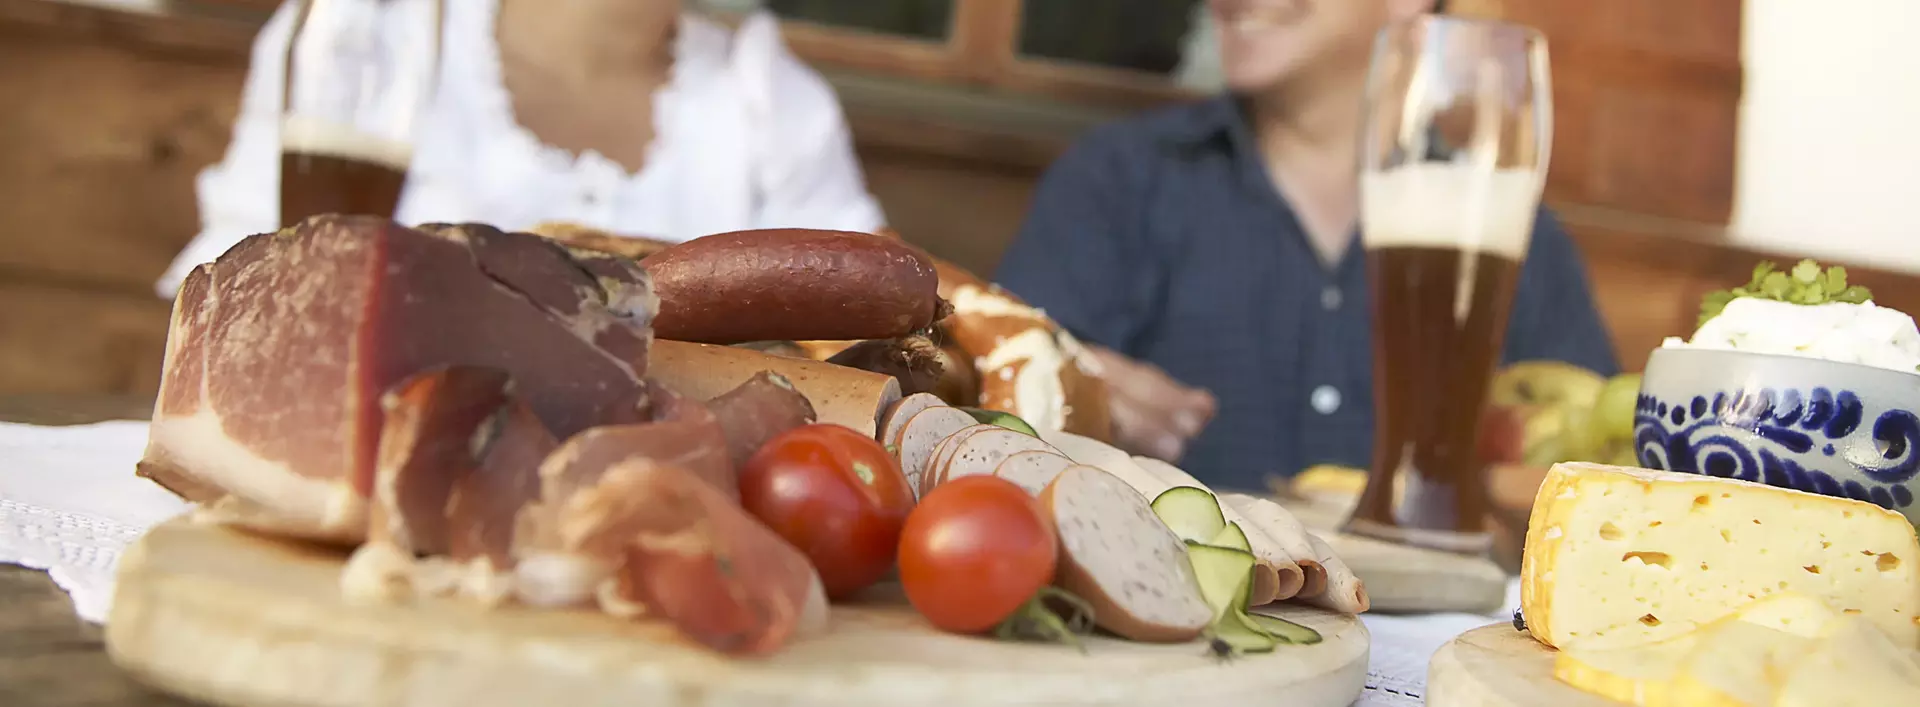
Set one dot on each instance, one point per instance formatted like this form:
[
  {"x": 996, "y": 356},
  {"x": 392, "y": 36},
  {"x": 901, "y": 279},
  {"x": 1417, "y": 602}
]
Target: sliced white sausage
[
  {"x": 898, "y": 415},
  {"x": 1278, "y": 523},
  {"x": 922, "y": 433},
  {"x": 1033, "y": 470},
  {"x": 1275, "y": 554},
  {"x": 981, "y": 453},
  {"x": 937, "y": 465},
  {"x": 1344, "y": 592},
  {"x": 1093, "y": 452},
  {"x": 1118, "y": 556}
]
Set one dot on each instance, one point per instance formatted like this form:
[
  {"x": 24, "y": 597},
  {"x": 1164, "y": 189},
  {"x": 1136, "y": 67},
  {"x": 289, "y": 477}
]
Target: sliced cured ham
[
  {"x": 641, "y": 537},
  {"x": 484, "y": 506},
  {"x": 757, "y": 410},
  {"x": 279, "y": 351},
  {"x": 685, "y": 435},
  {"x": 1033, "y": 470},
  {"x": 1119, "y": 557},
  {"x": 426, "y": 446}
]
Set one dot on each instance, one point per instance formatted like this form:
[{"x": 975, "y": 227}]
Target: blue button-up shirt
[{"x": 1163, "y": 238}]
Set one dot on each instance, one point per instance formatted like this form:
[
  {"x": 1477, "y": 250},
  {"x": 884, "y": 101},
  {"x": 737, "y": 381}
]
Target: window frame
[{"x": 981, "y": 51}]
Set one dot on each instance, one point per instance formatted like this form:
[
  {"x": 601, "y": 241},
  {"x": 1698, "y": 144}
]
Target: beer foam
[
  {"x": 301, "y": 133},
  {"x": 1438, "y": 205}
]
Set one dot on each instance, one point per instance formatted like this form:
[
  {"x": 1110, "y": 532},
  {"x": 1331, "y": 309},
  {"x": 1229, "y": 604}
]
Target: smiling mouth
[{"x": 1258, "y": 17}]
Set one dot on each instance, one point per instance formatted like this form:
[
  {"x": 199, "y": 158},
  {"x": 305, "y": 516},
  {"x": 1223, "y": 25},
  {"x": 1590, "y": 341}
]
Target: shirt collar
[
  {"x": 1222, "y": 121},
  {"x": 1221, "y": 116}
]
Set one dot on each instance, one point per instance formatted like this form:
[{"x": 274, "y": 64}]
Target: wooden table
[{"x": 49, "y": 657}]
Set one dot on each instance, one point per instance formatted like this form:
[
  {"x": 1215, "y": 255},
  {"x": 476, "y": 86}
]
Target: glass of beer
[
  {"x": 1454, "y": 152},
  {"x": 360, "y": 74}
]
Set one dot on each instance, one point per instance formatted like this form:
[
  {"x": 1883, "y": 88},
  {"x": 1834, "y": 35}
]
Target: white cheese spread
[{"x": 1837, "y": 331}]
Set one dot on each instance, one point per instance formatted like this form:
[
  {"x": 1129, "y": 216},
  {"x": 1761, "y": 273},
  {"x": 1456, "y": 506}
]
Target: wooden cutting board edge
[
  {"x": 1496, "y": 666},
  {"x": 232, "y": 619}
]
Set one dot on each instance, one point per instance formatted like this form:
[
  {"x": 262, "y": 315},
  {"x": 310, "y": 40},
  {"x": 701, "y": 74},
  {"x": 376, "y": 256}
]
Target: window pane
[
  {"x": 916, "y": 19},
  {"x": 1151, "y": 36}
]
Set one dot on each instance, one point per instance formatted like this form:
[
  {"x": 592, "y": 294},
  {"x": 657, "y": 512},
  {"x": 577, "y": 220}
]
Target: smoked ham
[
  {"x": 426, "y": 446},
  {"x": 757, "y": 410},
  {"x": 696, "y": 558},
  {"x": 279, "y": 351}
]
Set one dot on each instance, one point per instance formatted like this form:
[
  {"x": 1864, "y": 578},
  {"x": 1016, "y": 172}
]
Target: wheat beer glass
[
  {"x": 1454, "y": 151},
  {"x": 360, "y": 75}
]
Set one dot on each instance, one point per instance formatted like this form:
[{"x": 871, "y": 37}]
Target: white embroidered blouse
[{"x": 745, "y": 136}]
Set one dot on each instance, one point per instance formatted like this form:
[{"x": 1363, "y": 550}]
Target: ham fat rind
[{"x": 279, "y": 351}]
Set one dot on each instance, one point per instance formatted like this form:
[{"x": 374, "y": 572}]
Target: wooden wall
[
  {"x": 114, "y": 113},
  {"x": 109, "y": 117}
]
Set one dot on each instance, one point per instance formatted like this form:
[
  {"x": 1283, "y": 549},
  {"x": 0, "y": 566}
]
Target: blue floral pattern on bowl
[
  {"x": 1769, "y": 435},
  {"x": 1827, "y": 427}
]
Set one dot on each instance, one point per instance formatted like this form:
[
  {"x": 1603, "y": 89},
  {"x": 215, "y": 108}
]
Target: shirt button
[
  {"x": 1330, "y": 298},
  {"x": 1325, "y": 400}
]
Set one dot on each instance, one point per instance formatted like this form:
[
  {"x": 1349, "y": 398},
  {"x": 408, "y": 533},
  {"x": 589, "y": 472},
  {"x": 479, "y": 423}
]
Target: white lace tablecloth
[{"x": 69, "y": 503}]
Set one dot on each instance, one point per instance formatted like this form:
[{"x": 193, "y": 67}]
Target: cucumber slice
[
  {"x": 1232, "y": 626},
  {"x": 1283, "y": 630},
  {"x": 1231, "y": 536},
  {"x": 1192, "y": 513},
  {"x": 1224, "y": 575},
  {"x": 1002, "y": 419},
  {"x": 1241, "y": 637}
]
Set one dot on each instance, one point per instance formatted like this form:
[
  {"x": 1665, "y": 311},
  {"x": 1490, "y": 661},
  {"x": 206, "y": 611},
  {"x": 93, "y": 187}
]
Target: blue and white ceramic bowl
[{"x": 1839, "y": 429}]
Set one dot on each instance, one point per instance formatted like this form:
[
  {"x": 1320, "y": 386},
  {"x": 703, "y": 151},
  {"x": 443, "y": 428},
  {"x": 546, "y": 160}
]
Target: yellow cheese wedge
[
  {"x": 1330, "y": 480},
  {"x": 1738, "y": 664},
  {"x": 1619, "y": 557},
  {"x": 1856, "y": 665},
  {"x": 1687, "y": 669},
  {"x": 1641, "y": 675}
]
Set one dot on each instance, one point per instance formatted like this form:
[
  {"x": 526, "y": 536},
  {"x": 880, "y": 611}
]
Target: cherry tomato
[
  {"x": 975, "y": 550},
  {"x": 834, "y": 493}
]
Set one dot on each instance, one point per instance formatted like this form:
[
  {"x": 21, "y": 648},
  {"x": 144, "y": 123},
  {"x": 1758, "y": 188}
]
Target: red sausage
[{"x": 792, "y": 284}]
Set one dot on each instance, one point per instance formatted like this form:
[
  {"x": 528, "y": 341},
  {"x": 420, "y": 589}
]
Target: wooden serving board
[
  {"x": 1496, "y": 666},
  {"x": 1403, "y": 578},
  {"x": 235, "y": 619}
]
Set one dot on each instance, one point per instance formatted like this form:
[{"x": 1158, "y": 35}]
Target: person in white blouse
[{"x": 639, "y": 118}]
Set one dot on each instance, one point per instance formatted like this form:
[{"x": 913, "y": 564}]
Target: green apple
[{"x": 1613, "y": 410}]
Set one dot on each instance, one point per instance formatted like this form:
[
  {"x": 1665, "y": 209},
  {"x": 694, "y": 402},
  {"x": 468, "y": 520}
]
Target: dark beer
[
  {"x": 1442, "y": 262},
  {"x": 326, "y": 169}
]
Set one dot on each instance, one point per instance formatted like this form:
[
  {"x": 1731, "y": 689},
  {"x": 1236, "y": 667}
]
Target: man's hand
[{"x": 1153, "y": 414}]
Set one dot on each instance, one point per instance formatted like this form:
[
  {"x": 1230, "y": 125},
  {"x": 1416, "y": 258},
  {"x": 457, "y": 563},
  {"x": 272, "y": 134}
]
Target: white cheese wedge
[
  {"x": 1854, "y": 666},
  {"x": 1738, "y": 664},
  {"x": 1715, "y": 665},
  {"x": 1642, "y": 675},
  {"x": 1619, "y": 557}
]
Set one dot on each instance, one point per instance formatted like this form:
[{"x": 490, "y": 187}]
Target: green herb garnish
[{"x": 1806, "y": 283}]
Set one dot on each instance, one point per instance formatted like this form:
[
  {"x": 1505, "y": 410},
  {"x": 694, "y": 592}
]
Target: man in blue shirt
[{"x": 1208, "y": 253}]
